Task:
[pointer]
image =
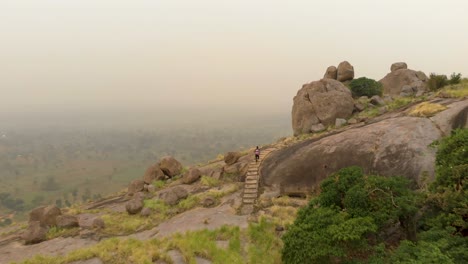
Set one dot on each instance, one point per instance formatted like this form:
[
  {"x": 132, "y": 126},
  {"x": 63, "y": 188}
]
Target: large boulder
[
  {"x": 45, "y": 215},
  {"x": 170, "y": 166},
  {"x": 394, "y": 82},
  {"x": 35, "y": 233},
  {"x": 320, "y": 102},
  {"x": 67, "y": 221},
  {"x": 238, "y": 169},
  {"x": 231, "y": 157},
  {"x": 345, "y": 72},
  {"x": 173, "y": 195},
  {"x": 398, "y": 66},
  {"x": 331, "y": 73},
  {"x": 136, "y": 186},
  {"x": 191, "y": 176},
  {"x": 153, "y": 173},
  {"x": 391, "y": 147}
]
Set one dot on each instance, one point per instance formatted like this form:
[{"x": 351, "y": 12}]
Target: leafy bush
[
  {"x": 437, "y": 81},
  {"x": 455, "y": 78},
  {"x": 365, "y": 87},
  {"x": 351, "y": 206}
]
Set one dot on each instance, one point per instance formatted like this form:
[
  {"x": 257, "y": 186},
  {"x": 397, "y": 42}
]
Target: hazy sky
[{"x": 251, "y": 55}]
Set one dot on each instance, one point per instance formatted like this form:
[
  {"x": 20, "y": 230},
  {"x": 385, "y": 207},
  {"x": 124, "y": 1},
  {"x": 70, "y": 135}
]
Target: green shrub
[
  {"x": 365, "y": 87},
  {"x": 455, "y": 78},
  {"x": 437, "y": 81}
]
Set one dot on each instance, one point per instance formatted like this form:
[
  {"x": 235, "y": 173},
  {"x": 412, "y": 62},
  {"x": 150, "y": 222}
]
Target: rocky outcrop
[
  {"x": 170, "y": 166},
  {"x": 345, "y": 72},
  {"x": 135, "y": 205},
  {"x": 398, "y": 66},
  {"x": 394, "y": 83},
  {"x": 191, "y": 176},
  {"x": 153, "y": 173},
  {"x": 231, "y": 157},
  {"x": 331, "y": 73},
  {"x": 396, "y": 146},
  {"x": 320, "y": 102},
  {"x": 67, "y": 221}
]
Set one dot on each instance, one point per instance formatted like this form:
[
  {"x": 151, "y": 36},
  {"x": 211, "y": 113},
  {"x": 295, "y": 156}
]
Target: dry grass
[
  {"x": 455, "y": 91},
  {"x": 426, "y": 109}
]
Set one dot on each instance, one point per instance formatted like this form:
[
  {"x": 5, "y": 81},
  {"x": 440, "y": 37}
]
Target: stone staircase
[{"x": 250, "y": 194}]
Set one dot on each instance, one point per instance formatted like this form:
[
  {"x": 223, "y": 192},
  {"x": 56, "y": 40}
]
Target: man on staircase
[{"x": 257, "y": 154}]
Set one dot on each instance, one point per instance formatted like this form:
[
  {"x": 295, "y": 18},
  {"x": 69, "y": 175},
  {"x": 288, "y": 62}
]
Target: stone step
[
  {"x": 251, "y": 178},
  {"x": 251, "y": 182},
  {"x": 248, "y": 201},
  {"x": 251, "y": 185},
  {"x": 250, "y": 195},
  {"x": 250, "y": 191}
]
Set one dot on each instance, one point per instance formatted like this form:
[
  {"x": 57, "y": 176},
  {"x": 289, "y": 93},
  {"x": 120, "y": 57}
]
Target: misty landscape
[{"x": 216, "y": 131}]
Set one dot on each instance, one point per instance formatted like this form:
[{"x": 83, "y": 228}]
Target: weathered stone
[
  {"x": 208, "y": 201},
  {"x": 35, "y": 233},
  {"x": 134, "y": 206},
  {"x": 45, "y": 215},
  {"x": 231, "y": 157},
  {"x": 352, "y": 121},
  {"x": 359, "y": 107},
  {"x": 170, "y": 166},
  {"x": 151, "y": 188},
  {"x": 406, "y": 91},
  {"x": 239, "y": 169},
  {"x": 173, "y": 195},
  {"x": 331, "y": 73},
  {"x": 317, "y": 128},
  {"x": 153, "y": 173},
  {"x": 339, "y": 122},
  {"x": 320, "y": 102},
  {"x": 98, "y": 223},
  {"x": 377, "y": 100},
  {"x": 136, "y": 186},
  {"x": 393, "y": 82},
  {"x": 191, "y": 176},
  {"x": 67, "y": 221},
  {"x": 398, "y": 66},
  {"x": 146, "y": 211},
  {"x": 387, "y": 98},
  {"x": 345, "y": 72}
]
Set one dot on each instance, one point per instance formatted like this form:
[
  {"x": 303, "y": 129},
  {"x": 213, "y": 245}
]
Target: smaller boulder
[
  {"x": 377, "y": 100},
  {"x": 153, "y": 173},
  {"x": 172, "y": 196},
  {"x": 151, "y": 188},
  {"x": 331, "y": 73},
  {"x": 317, "y": 128},
  {"x": 231, "y": 157},
  {"x": 191, "y": 176},
  {"x": 45, "y": 215},
  {"x": 146, "y": 212},
  {"x": 136, "y": 186},
  {"x": 387, "y": 98},
  {"x": 339, "y": 122},
  {"x": 35, "y": 233},
  {"x": 359, "y": 107},
  {"x": 134, "y": 206},
  {"x": 345, "y": 72},
  {"x": 67, "y": 221},
  {"x": 208, "y": 201},
  {"x": 352, "y": 121},
  {"x": 170, "y": 166},
  {"x": 98, "y": 223},
  {"x": 406, "y": 91},
  {"x": 398, "y": 66}
]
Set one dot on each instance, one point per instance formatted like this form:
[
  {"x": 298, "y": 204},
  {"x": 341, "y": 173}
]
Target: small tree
[{"x": 365, "y": 87}]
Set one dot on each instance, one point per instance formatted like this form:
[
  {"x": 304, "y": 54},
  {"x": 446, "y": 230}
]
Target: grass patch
[
  {"x": 157, "y": 205},
  {"x": 55, "y": 232},
  {"x": 123, "y": 223},
  {"x": 159, "y": 184},
  {"x": 188, "y": 203},
  {"x": 209, "y": 181},
  {"x": 426, "y": 109},
  {"x": 370, "y": 112},
  {"x": 456, "y": 90},
  {"x": 265, "y": 246},
  {"x": 399, "y": 103}
]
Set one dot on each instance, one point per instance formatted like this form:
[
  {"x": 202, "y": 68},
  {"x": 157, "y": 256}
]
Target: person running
[{"x": 257, "y": 154}]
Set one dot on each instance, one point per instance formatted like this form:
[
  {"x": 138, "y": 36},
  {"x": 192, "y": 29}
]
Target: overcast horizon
[{"x": 245, "y": 56}]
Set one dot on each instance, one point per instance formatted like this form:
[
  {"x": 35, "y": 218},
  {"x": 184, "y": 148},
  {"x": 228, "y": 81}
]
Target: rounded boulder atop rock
[
  {"x": 320, "y": 102},
  {"x": 170, "y": 166},
  {"x": 345, "y": 72},
  {"x": 398, "y": 66},
  {"x": 331, "y": 73},
  {"x": 401, "y": 79}
]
